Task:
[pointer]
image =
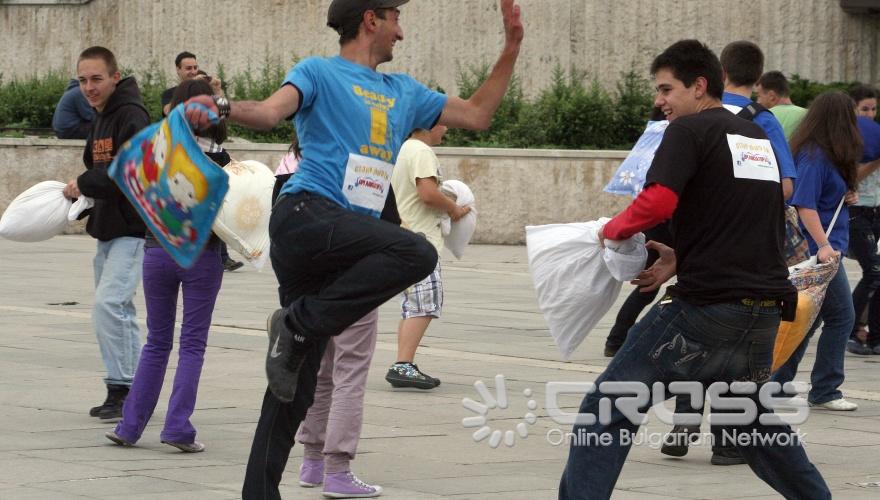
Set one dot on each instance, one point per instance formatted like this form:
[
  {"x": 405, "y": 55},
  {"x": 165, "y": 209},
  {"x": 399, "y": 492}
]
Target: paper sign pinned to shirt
[
  {"x": 753, "y": 158},
  {"x": 366, "y": 183}
]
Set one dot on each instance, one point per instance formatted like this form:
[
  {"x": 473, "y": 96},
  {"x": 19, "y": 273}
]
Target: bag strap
[
  {"x": 834, "y": 219},
  {"x": 751, "y": 110}
]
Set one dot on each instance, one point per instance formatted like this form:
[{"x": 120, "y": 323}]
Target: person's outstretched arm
[
  {"x": 476, "y": 112},
  {"x": 258, "y": 115}
]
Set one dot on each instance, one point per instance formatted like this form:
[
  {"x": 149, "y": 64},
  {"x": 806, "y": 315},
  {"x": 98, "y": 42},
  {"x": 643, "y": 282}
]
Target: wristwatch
[{"x": 223, "y": 107}]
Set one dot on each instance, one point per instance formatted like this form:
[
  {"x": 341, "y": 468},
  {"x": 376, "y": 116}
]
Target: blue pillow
[
  {"x": 175, "y": 187},
  {"x": 629, "y": 179}
]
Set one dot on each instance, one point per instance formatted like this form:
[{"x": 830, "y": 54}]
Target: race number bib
[
  {"x": 752, "y": 158},
  {"x": 366, "y": 184}
]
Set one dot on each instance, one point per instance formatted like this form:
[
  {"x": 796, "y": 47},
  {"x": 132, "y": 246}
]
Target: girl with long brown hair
[{"x": 827, "y": 147}]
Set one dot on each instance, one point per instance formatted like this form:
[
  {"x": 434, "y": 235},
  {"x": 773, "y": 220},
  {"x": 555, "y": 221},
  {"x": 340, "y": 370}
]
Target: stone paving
[{"x": 413, "y": 442}]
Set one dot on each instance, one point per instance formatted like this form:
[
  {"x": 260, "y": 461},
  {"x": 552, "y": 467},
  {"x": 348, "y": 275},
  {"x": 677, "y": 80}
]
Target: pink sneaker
[
  {"x": 311, "y": 473},
  {"x": 347, "y": 485}
]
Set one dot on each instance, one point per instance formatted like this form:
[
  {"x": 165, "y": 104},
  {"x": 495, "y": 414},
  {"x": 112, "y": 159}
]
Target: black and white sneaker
[
  {"x": 409, "y": 375},
  {"x": 287, "y": 350}
]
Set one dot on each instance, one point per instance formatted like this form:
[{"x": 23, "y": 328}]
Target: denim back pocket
[
  {"x": 760, "y": 361},
  {"x": 678, "y": 354}
]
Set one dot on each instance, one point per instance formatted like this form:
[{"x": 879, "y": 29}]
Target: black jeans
[
  {"x": 637, "y": 300},
  {"x": 864, "y": 231},
  {"x": 333, "y": 267}
]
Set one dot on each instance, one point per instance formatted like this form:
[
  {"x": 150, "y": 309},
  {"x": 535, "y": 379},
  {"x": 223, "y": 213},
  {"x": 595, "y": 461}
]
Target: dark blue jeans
[
  {"x": 333, "y": 267},
  {"x": 838, "y": 317},
  {"x": 864, "y": 232},
  {"x": 680, "y": 341}
]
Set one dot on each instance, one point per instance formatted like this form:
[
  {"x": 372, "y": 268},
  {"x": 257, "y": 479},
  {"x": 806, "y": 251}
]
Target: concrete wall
[
  {"x": 813, "y": 38},
  {"x": 513, "y": 187}
]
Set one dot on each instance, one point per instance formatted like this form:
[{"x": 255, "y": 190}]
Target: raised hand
[{"x": 513, "y": 27}]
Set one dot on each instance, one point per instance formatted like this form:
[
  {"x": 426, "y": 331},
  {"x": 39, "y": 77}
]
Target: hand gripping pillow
[
  {"x": 457, "y": 235},
  {"x": 243, "y": 220}
]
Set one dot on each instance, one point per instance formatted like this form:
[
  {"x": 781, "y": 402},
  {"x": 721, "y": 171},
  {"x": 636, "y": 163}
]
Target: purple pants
[
  {"x": 163, "y": 279},
  {"x": 332, "y": 426}
]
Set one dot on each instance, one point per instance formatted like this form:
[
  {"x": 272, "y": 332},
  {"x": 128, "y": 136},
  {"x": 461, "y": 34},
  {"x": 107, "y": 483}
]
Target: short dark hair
[
  {"x": 183, "y": 55},
  {"x": 102, "y": 53},
  {"x": 775, "y": 81},
  {"x": 743, "y": 62},
  {"x": 859, "y": 92},
  {"x": 689, "y": 60},
  {"x": 349, "y": 31},
  {"x": 191, "y": 88}
]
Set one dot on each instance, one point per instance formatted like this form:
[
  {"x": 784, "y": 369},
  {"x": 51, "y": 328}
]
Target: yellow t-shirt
[{"x": 416, "y": 160}]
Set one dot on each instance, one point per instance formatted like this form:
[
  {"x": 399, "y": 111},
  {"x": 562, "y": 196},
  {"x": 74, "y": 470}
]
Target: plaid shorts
[{"x": 425, "y": 298}]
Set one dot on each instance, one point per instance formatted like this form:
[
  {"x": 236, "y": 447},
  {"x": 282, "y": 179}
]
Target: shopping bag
[
  {"x": 811, "y": 283},
  {"x": 574, "y": 285},
  {"x": 243, "y": 220},
  {"x": 173, "y": 185},
  {"x": 37, "y": 214},
  {"x": 457, "y": 235},
  {"x": 629, "y": 179}
]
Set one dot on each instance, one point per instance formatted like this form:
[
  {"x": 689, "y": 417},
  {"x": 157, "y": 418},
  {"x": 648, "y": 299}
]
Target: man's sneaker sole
[
  {"x": 400, "y": 382},
  {"x": 836, "y": 405},
  {"x": 858, "y": 348},
  {"x": 282, "y": 364}
]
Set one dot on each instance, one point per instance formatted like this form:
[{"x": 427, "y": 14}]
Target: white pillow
[
  {"x": 457, "y": 235},
  {"x": 37, "y": 214},
  {"x": 575, "y": 279},
  {"x": 243, "y": 220}
]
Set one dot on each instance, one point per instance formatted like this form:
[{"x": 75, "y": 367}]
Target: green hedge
[{"x": 573, "y": 112}]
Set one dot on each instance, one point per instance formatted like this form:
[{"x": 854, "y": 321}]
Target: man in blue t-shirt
[
  {"x": 334, "y": 259},
  {"x": 743, "y": 64}
]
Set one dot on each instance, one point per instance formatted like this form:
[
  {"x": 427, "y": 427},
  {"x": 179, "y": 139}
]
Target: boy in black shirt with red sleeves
[{"x": 715, "y": 176}]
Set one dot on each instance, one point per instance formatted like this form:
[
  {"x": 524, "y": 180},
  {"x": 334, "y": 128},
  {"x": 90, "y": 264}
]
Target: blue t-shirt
[
  {"x": 773, "y": 129},
  {"x": 346, "y": 109},
  {"x": 820, "y": 187},
  {"x": 870, "y": 131}
]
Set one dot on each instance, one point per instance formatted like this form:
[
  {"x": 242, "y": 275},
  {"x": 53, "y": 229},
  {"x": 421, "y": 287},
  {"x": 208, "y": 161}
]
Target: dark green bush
[
  {"x": 255, "y": 85},
  {"x": 573, "y": 112},
  {"x": 803, "y": 91},
  {"x": 31, "y": 102}
]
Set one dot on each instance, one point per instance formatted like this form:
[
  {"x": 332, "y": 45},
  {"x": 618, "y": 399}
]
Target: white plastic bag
[
  {"x": 243, "y": 220},
  {"x": 457, "y": 235},
  {"x": 37, "y": 214},
  {"x": 574, "y": 284}
]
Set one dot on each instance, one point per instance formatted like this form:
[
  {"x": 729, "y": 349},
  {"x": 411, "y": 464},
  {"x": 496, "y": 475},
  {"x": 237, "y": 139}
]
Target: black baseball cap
[{"x": 343, "y": 11}]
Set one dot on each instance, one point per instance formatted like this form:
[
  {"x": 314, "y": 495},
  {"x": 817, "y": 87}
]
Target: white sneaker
[{"x": 836, "y": 405}]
